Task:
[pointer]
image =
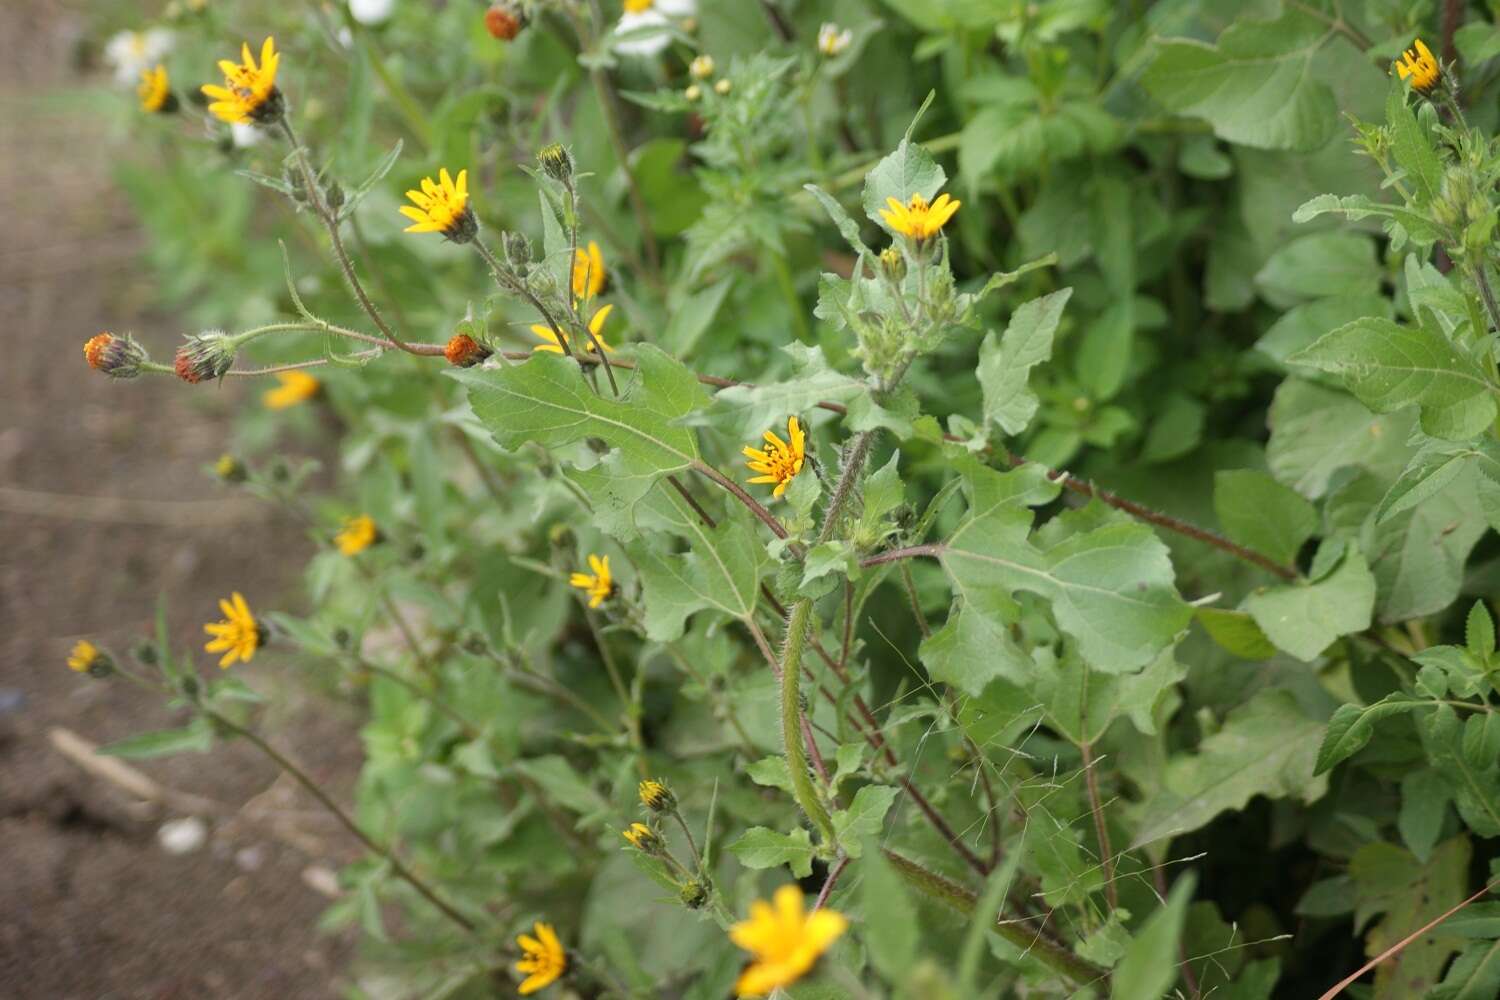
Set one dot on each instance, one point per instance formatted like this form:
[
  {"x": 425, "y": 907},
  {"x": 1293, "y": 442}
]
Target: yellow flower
[
  {"x": 656, "y": 796},
  {"x": 780, "y": 461},
  {"x": 599, "y": 585},
  {"x": 544, "y": 960},
  {"x": 596, "y": 327},
  {"x": 83, "y": 657},
  {"x": 359, "y": 534},
  {"x": 238, "y": 636},
  {"x": 917, "y": 218},
  {"x": 588, "y": 272},
  {"x": 155, "y": 90},
  {"x": 642, "y": 838},
  {"x": 249, "y": 93},
  {"x": 442, "y": 206},
  {"x": 784, "y": 940},
  {"x": 1420, "y": 67},
  {"x": 296, "y": 386}
]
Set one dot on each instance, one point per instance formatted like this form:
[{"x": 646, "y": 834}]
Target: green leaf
[
  {"x": 1236, "y": 632},
  {"x": 368, "y": 184},
  {"x": 1429, "y": 473},
  {"x": 1412, "y": 147},
  {"x": 890, "y": 918},
  {"x": 195, "y": 736},
  {"x": 909, "y": 170},
  {"x": 1318, "y": 265},
  {"x": 547, "y": 401},
  {"x": 1479, "y": 631},
  {"x": 745, "y": 412},
  {"x": 864, "y": 817},
  {"x": 1388, "y": 366},
  {"x": 721, "y": 570},
  {"x": 1303, "y": 618},
  {"x": 1082, "y": 703},
  {"x": 1149, "y": 967},
  {"x": 1474, "y": 975},
  {"x": 1424, "y": 808},
  {"x": 1352, "y": 726},
  {"x": 762, "y": 847},
  {"x": 1256, "y": 87},
  {"x": 771, "y": 772},
  {"x": 1409, "y": 894},
  {"x": 975, "y": 645},
  {"x": 1111, "y": 588},
  {"x": 1475, "y": 785},
  {"x": 1005, "y": 362},
  {"x": 848, "y": 228},
  {"x": 562, "y": 784},
  {"x": 1264, "y": 515},
  {"x": 1317, "y": 431},
  {"x": 1265, "y": 747},
  {"x": 1302, "y": 325}
]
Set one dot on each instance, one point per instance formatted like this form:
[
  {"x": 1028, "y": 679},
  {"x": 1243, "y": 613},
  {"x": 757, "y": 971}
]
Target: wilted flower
[
  {"x": 249, "y": 93},
  {"x": 155, "y": 91},
  {"x": 1420, "y": 67},
  {"x": 918, "y": 219},
  {"x": 785, "y": 940},
  {"x": 296, "y": 387},
  {"x": 205, "y": 356},
  {"x": 833, "y": 40},
  {"x": 702, "y": 67},
  {"x": 118, "y": 357},
  {"x": 371, "y": 11},
  {"x": 463, "y": 351},
  {"x": 442, "y": 206},
  {"x": 599, "y": 585},
  {"x": 780, "y": 461},
  {"x": 359, "y": 533},
  {"x": 504, "y": 20},
  {"x": 131, "y": 53},
  {"x": 544, "y": 960},
  {"x": 238, "y": 636},
  {"x": 589, "y": 274},
  {"x": 596, "y": 327}
]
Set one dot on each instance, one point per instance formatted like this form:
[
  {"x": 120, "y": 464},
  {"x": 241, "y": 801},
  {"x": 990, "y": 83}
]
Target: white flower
[
  {"x": 131, "y": 53},
  {"x": 650, "y": 42},
  {"x": 371, "y": 11},
  {"x": 244, "y": 135},
  {"x": 833, "y": 40},
  {"x": 678, "y": 8}
]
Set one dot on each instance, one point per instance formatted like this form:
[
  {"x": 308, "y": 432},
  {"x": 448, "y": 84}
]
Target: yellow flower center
[{"x": 637, "y": 6}]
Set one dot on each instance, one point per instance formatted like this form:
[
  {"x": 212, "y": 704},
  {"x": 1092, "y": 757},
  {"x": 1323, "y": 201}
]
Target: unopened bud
[
  {"x": 643, "y": 838},
  {"x": 517, "y": 251},
  {"x": 893, "y": 264},
  {"x": 694, "y": 894},
  {"x": 656, "y": 796},
  {"x": 702, "y": 67},
  {"x": 556, "y": 163},
  {"x": 693, "y": 93},
  {"x": 463, "y": 351},
  {"x": 723, "y": 87},
  {"x": 230, "y": 469},
  {"x": 205, "y": 356}
]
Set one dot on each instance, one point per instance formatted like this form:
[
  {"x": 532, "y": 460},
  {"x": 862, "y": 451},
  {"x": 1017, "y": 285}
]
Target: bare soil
[{"x": 104, "y": 507}]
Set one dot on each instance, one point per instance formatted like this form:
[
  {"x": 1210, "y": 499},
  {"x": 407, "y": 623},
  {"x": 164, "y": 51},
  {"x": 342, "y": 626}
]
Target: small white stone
[{"x": 182, "y": 836}]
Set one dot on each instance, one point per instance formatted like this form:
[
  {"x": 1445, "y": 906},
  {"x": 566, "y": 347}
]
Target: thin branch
[
  {"x": 738, "y": 492},
  {"x": 1101, "y": 828},
  {"x": 831, "y": 880}
]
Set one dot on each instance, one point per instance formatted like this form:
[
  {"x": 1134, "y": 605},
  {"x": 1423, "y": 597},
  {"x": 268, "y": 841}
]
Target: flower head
[
  {"x": 596, "y": 327},
  {"x": 544, "y": 960},
  {"x": 296, "y": 387},
  {"x": 442, "y": 206},
  {"x": 833, "y": 40},
  {"x": 644, "y": 30},
  {"x": 917, "y": 218},
  {"x": 556, "y": 162},
  {"x": 656, "y": 796},
  {"x": 238, "y": 636},
  {"x": 230, "y": 469},
  {"x": 1419, "y": 66},
  {"x": 206, "y": 355},
  {"x": 780, "y": 461},
  {"x": 249, "y": 93},
  {"x": 589, "y": 274},
  {"x": 463, "y": 351},
  {"x": 504, "y": 20},
  {"x": 86, "y": 658},
  {"x": 118, "y": 357},
  {"x": 155, "y": 91},
  {"x": 723, "y": 87},
  {"x": 599, "y": 585},
  {"x": 642, "y": 838},
  {"x": 131, "y": 53},
  {"x": 702, "y": 67},
  {"x": 784, "y": 940},
  {"x": 359, "y": 534}
]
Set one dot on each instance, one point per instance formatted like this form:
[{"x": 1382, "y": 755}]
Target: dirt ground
[{"x": 104, "y": 506}]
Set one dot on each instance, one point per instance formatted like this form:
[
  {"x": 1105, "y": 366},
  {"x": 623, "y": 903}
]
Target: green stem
[
  {"x": 791, "y": 719},
  {"x": 313, "y": 789}
]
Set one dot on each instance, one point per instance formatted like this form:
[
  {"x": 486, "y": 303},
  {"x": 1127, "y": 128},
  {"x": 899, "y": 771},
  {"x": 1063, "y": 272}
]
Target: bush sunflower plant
[{"x": 915, "y": 499}]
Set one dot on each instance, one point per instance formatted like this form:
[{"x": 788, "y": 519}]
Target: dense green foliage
[{"x": 1212, "y": 715}]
